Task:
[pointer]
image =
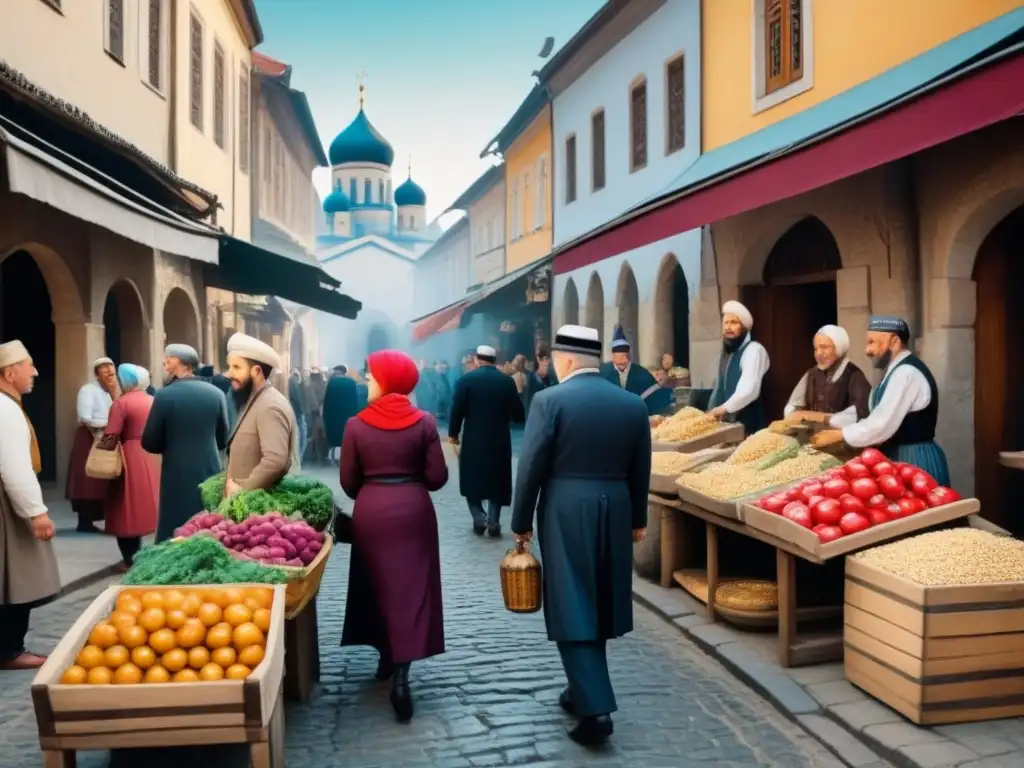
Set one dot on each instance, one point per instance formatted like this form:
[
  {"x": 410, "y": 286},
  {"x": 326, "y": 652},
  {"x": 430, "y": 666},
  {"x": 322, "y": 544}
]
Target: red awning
[
  {"x": 446, "y": 319},
  {"x": 973, "y": 102}
]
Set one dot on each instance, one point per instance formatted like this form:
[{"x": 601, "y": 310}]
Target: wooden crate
[
  {"x": 100, "y": 717},
  {"x": 301, "y": 590},
  {"x": 935, "y": 654},
  {"x": 725, "y": 433}
]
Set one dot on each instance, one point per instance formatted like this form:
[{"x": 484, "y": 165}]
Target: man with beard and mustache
[
  {"x": 634, "y": 378},
  {"x": 741, "y": 369},
  {"x": 188, "y": 426},
  {"x": 833, "y": 386},
  {"x": 904, "y": 407},
  {"x": 264, "y": 445}
]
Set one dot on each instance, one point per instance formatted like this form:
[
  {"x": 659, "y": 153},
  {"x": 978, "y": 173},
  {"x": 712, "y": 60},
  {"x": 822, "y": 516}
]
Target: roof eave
[
  {"x": 594, "y": 24},
  {"x": 521, "y": 119},
  {"x": 487, "y": 181}
]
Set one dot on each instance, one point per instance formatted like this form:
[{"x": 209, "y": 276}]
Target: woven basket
[
  {"x": 738, "y": 594},
  {"x": 521, "y": 580}
]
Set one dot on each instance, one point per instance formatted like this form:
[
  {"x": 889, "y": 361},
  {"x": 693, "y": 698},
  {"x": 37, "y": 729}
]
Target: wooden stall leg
[
  {"x": 314, "y": 639},
  {"x": 270, "y": 753},
  {"x": 57, "y": 758},
  {"x": 785, "y": 575},
  {"x": 711, "y": 534},
  {"x": 669, "y": 532},
  {"x": 298, "y": 656}
]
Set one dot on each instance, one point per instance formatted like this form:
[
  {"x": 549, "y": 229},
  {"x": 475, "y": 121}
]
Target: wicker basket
[{"x": 521, "y": 580}]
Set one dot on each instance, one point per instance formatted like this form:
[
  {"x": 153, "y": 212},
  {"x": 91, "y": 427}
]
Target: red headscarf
[{"x": 396, "y": 375}]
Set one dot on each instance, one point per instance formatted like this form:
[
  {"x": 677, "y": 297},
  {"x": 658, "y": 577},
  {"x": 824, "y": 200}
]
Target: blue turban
[{"x": 129, "y": 376}]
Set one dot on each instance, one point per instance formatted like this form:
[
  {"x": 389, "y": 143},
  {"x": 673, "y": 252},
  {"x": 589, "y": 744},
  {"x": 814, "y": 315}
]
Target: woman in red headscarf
[{"x": 391, "y": 458}]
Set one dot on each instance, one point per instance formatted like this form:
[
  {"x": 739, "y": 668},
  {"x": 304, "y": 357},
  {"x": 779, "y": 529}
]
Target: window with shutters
[
  {"x": 155, "y": 45},
  {"x": 115, "y": 30},
  {"x": 597, "y": 150},
  {"x": 638, "y": 126},
  {"x": 570, "y": 169},
  {"x": 219, "y": 126},
  {"x": 195, "y": 82},
  {"x": 541, "y": 198},
  {"x": 783, "y": 51},
  {"x": 527, "y": 210},
  {"x": 244, "y": 119},
  {"x": 515, "y": 208},
  {"x": 675, "y": 103}
]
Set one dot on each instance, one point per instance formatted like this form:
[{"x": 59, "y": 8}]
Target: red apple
[
  {"x": 883, "y": 468},
  {"x": 863, "y": 488},
  {"x": 907, "y": 472},
  {"x": 829, "y": 533},
  {"x": 940, "y": 496},
  {"x": 922, "y": 483},
  {"x": 856, "y": 468},
  {"x": 799, "y": 514},
  {"x": 877, "y": 516},
  {"x": 811, "y": 490},
  {"x": 871, "y": 456},
  {"x": 891, "y": 486},
  {"x": 835, "y": 488},
  {"x": 773, "y": 503},
  {"x": 878, "y": 501},
  {"x": 827, "y": 511},
  {"x": 893, "y": 511},
  {"x": 852, "y": 523},
  {"x": 851, "y": 503}
]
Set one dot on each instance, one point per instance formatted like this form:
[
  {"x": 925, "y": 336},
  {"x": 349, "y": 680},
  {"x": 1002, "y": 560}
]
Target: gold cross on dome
[{"x": 361, "y": 76}]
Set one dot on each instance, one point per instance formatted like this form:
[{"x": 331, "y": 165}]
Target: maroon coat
[
  {"x": 135, "y": 495},
  {"x": 394, "y": 584}
]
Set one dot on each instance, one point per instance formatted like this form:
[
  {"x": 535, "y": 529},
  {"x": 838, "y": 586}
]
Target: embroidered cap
[
  {"x": 12, "y": 353},
  {"x": 890, "y": 324},
  {"x": 577, "y": 339},
  {"x": 619, "y": 341}
]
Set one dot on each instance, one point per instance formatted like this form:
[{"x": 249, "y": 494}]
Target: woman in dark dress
[{"x": 391, "y": 458}]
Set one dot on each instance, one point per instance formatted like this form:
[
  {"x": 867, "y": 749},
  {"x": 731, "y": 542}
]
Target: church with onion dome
[{"x": 371, "y": 234}]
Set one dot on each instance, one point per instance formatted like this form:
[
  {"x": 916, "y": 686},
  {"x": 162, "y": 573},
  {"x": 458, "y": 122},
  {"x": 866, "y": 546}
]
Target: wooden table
[
  {"x": 792, "y": 651},
  {"x": 302, "y": 654}
]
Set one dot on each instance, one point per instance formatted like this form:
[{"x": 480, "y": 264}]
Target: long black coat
[
  {"x": 485, "y": 403},
  {"x": 585, "y": 467},
  {"x": 341, "y": 403},
  {"x": 188, "y": 426}
]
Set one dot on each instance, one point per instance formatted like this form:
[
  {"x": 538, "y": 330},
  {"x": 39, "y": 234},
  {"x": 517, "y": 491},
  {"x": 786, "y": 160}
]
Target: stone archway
[
  {"x": 570, "y": 304},
  {"x": 627, "y": 303},
  {"x": 672, "y": 311},
  {"x": 181, "y": 319},
  {"x": 595, "y": 304},
  {"x": 297, "y": 346},
  {"x": 125, "y": 326}
]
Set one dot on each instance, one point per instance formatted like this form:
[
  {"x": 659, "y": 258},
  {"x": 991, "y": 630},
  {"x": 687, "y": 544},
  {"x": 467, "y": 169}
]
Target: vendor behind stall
[
  {"x": 833, "y": 386},
  {"x": 741, "y": 369},
  {"x": 635, "y": 378},
  {"x": 904, "y": 407}
]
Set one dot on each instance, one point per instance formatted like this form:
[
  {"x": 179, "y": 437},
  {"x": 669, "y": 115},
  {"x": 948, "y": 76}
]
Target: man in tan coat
[
  {"x": 28, "y": 566},
  {"x": 263, "y": 447}
]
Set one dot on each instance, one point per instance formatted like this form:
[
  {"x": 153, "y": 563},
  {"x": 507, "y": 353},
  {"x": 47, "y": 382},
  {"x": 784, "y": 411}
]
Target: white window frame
[
  {"x": 515, "y": 209},
  {"x": 125, "y": 20},
  {"x": 143, "y": 48},
  {"x": 225, "y": 101},
  {"x": 527, "y": 211},
  {"x": 540, "y": 201},
  {"x": 194, "y": 13},
  {"x": 759, "y": 99}
]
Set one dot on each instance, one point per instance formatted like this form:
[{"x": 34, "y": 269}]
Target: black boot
[
  {"x": 385, "y": 669},
  {"x": 401, "y": 697},
  {"x": 592, "y": 731},
  {"x": 565, "y": 702}
]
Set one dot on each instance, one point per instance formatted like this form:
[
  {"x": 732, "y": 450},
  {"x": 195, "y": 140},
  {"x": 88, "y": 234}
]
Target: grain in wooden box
[
  {"x": 725, "y": 433},
  {"x": 99, "y": 717},
  {"x": 935, "y": 654}
]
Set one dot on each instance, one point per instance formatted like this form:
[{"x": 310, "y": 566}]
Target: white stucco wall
[
  {"x": 487, "y": 234},
  {"x": 444, "y": 273},
  {"x": 361, "y": 172},
  {"x": 672, "y": 30}
]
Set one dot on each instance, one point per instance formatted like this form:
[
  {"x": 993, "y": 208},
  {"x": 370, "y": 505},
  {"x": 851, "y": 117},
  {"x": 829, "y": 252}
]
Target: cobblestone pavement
[{"x": 492, "y": 698}]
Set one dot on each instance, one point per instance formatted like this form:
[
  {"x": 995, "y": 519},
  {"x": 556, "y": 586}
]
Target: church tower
[{"x": 411, "y": 201}]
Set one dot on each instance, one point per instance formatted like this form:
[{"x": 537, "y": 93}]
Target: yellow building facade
[{"x": 528, "y": 229}]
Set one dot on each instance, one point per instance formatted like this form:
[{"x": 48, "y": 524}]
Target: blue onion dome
[
  {"x": 361, "y": 143},
  {"x": 410, "y": 193},
  {"x": 336, "y": 202}
]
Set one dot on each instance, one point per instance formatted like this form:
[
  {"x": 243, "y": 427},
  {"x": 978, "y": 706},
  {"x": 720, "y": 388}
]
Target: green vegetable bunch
[
  {"x": 295, "y": 496},
  {"x": 197, "y": 560},
  {"x": 211, "y": 490}
]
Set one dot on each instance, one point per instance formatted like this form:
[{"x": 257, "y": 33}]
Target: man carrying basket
[{"x": 587, "y": 456}]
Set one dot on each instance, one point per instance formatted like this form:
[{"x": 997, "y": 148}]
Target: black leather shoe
[
  {"x": 401, "y": 696},
  {"x": 592, "y": 731},
  {"x": 479, "y": 529},
  {"x": 385, "y": 669},
  {"x": 565, "y": 701},
  {"x": 494, "y": 531}
]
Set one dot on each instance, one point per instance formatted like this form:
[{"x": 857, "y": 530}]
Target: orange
[
  {"x": 175, "y": 618},
  {"x": 74, "y": 675},
  {"x": 152, "y": 599},
  {"x": 218, "y": 635},
  {"x": 247, "y": 634},
  {"x": 143, "y": 657},
  {"x": 210, "y": 614},
  {"x": 190, "y": 605},
  {"x": 198, "y": 657},
  {"x": 261, "y": 595},
  {"x": 99, "y": 676},
  {"x": 128, "y": 603},
  {"x": 237, "y": 672},
  {"x": 173, "y": 599},
  {"x": 174, "y": 660},
  {"x": 115, "y": 656},
  {"x": 162, "y": 640},
  {"x": 251, "y": 656},
  {"x": 90, "y": 657},
  {"x": 127, "y": 674},
  {"x": 185, "y": 676},
  {"x": 224, "y": 657},
  {"x": 233, "y": 595},
  {"x": 216, "y": 596},
  {"x": 133, "y": 637},
  {"x": 211, "y": 672},
  {"x": 237, "y": 614},
  {"x": 251, "y": 603},
  {"x": 121, "y": 619},
  {"x": 156, "y": 674},
  {"x": 261, "y": 618},
  {"x": 103, "y": 635},
  {"x": 152, "y": 619},
  {"x": 190, "y": 635}
]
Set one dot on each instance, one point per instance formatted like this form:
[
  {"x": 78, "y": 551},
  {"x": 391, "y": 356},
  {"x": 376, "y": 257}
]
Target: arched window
[
  {"x": 352, "y": 190},
  {"x": 380, "y": 190},
  {"x": 367, "y": 191},
  {"x": 401, "y": 222}
]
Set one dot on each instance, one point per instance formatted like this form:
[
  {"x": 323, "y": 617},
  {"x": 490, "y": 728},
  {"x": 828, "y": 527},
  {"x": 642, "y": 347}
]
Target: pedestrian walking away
[
  {"x": 88, "y": 494},
  {"x": 28, "y": 566},
  {"x": 586, "y": 457},
  {"x": 341, "y": 403},
  {"x": 484, "y": 405},
  {"x": 390, "y": 461},
  {"x": 188, "y": 427}
]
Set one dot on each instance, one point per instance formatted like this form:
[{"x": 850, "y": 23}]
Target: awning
[
  {"x": 47, "y": 175},
  {"x": 967, "y": 101},
  {"x": 247, "y": 268}
]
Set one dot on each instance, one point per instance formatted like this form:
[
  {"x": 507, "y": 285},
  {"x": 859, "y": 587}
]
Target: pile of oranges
[{"x": 176, "y": 636}]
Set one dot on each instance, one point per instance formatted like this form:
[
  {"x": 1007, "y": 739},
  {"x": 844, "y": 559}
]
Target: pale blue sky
[{"x": 443, "y": 76}]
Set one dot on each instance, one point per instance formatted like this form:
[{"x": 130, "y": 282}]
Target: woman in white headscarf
[{"x": 833, "y": 386}]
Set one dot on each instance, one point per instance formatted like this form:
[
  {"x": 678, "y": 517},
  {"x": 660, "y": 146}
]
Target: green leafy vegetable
[
  {"x": 293, "y": 496},
  {"x": 211, "y": 490},
  {"x": 197, "y": 560}
]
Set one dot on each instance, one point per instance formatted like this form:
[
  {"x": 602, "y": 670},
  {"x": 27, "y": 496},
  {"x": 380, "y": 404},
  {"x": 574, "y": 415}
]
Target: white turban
[
  {"x": 839, "y": 337},
  {"x": 100, "y": 361},
  {"x": 741, "y": 312},
  {"x": 253, "y": 349},
  {"x": 487, "y": 352},
  {"x": 12, "y": 353}
]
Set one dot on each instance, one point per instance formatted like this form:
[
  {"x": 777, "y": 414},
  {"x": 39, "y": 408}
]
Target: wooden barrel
[{"x": 521, "y": 580}]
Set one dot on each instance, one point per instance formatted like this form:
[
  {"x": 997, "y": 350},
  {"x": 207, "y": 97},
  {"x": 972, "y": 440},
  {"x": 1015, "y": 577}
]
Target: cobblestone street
[{"x": 492, "y": 698}]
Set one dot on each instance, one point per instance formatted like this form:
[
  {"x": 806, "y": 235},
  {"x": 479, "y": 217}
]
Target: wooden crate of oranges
[{"x": 167, "y": 666}]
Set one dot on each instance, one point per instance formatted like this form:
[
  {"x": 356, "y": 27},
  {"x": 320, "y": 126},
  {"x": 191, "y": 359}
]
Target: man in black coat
[{"x": 484, "y": 405}]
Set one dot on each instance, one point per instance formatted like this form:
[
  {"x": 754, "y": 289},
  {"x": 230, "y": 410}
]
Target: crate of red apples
[{"x": 866, "y": 501}]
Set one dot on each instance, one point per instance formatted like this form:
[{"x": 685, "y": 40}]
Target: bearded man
[
  {"x": 634, "y": 378},
  {"x": 741, "y": 369},
  {"x": 88, "y": 495},
  {"x": 833, "y": 386}
]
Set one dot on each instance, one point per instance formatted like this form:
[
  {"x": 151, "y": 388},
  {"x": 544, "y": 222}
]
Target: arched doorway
[
  {"x": 570, "y": 304},
  {"x": 999, "y": 372},
  {"x": 124, "y": 325},
  {"x": 181, "y": 325},
  {"x": 672, "y": 312},
  {"x": 797, "y": 297},
  {"x": 378, "y": 338},
  {"x": 297, "y": 348},
  {"x": 627, "y": 301},
  {"x": 595, "y": 305}
]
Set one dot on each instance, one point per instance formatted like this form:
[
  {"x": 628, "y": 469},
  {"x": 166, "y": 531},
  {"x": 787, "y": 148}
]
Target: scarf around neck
[
  {"x": 37, "y": 461},
  {"x": 391, "y": 412}
]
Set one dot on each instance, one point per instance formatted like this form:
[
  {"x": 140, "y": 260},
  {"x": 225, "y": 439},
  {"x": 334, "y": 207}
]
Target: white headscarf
[{"x": 839, "y": 337}]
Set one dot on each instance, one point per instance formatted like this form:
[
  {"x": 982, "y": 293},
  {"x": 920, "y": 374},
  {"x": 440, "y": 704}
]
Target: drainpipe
[{"x": 172, "y": 86}]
